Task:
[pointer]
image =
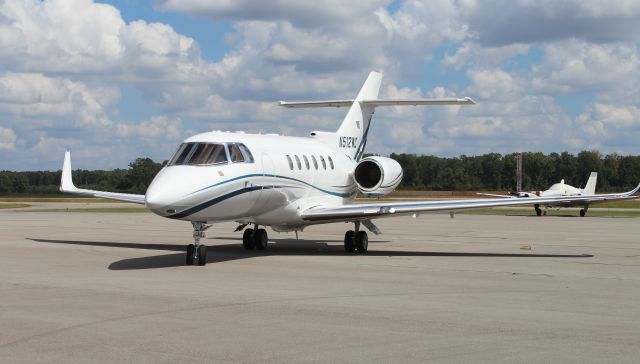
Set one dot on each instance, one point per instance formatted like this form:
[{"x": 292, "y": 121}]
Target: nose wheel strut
[{"x": 197, "y": 253}]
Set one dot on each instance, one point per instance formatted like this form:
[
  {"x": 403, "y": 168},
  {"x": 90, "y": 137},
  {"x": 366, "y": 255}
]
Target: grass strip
[{"x": 13, "y": 205}]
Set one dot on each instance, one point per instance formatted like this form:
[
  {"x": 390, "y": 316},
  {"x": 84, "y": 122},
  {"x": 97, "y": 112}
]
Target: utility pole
[{"x": 519, "y": 172}]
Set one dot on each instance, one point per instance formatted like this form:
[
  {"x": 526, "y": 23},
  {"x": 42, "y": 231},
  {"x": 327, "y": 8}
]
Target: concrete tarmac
[{"x": 110, "y": 287}]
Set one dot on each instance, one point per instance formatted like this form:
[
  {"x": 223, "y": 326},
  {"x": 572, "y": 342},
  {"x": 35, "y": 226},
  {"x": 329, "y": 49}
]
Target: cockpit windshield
[{"x": 199, "y": 154}]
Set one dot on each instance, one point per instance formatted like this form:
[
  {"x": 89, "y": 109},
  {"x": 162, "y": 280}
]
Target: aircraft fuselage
[{"x": 287, "y": 175}]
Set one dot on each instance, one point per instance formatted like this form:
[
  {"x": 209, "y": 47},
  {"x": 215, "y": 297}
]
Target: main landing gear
[
  {"x": 197, "y": 253},
  {"x": 583, "y": 211},
  {"x": 356, "y": 240},
  {"x": 538, "y": 210},
  {"x": 255, "y": 239}
]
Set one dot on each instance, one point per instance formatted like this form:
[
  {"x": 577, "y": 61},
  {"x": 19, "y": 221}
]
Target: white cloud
[
  {"x": 301, "y": 13},
  {"x": 475, "y": 55},
  {"x": 7, "y": 139},
  {"x": 158, "y": 127},
  {"x": 614, "y": 127},
  {"x": 578, "y": 66},
  {"x": 62, "y": 74},
  {"x": 35, "y": 95},
  {"x": 503, "y": 22},
  {"x": 50, "y": 36}
]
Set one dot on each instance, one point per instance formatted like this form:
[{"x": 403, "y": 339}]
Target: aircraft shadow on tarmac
[{"x": 227, "y": 252}]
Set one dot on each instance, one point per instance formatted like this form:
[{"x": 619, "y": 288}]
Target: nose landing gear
[{"x": 197, "y": 253}]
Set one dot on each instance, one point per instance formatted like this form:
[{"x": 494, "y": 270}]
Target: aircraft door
[{"x": 266, "y": 196}]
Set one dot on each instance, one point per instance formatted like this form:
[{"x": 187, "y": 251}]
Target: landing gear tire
[
  {"x": 202, "y": 255},
  {"x": 261, "y": 239},
  {"x": 582, "y": 213},
  {"x": 190, "y": 252},
  {"x": 350, "y": 241},
  {"x": 247, "y": 240},
  {"x": 538, "y": 211},
  {"x": 362, "y": 241}
]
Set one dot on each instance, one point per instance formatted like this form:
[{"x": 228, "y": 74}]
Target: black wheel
[
  {"x": 202, "y": 255},
  {"x": 538, "y": 210},
  {"x": 582, "y": 212},
  {"x": 362, "y": 241},
  {"x": 190, "y": 250},
  {"x": 261, "y": 239},
  {"x": 349, "y": 241},
  {"x": 247, "y": 240}
]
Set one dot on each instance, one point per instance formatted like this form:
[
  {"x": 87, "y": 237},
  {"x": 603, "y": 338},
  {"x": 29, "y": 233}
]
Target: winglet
[{"x": 66, "y": 182}]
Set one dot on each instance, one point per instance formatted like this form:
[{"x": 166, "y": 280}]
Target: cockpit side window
[
  {"x": 199, "y": 154},
  {"x": 235, "y": 153},
  {"x": 248, "y": 157}
]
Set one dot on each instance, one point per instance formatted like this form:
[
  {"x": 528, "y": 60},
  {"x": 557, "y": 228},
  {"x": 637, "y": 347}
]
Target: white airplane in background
[
  {"x": 561, "y": 189},
  {"x": 288, "y": 183}
]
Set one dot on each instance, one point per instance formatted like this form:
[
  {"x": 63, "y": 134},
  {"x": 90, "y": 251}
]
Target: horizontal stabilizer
[{"x": 377, "y": 102}]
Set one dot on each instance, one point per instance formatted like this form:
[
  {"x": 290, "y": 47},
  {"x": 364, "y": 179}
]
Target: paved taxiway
[{"x": 108, "y": 287}]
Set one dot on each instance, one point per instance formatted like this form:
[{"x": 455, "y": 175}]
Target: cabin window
[
  {"x": 196, "y": 154},
  {"x": 290, "y": 162},
  {"x": 298, "y": 162},
  {"x": 306, "y": 161},
  {"x": 330, "y": 161},
  {"x": 315, "y": 162},
  {"x": 324, "y": 164}
]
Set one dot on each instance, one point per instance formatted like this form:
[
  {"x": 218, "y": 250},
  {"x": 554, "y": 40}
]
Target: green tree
[
  {"x": 141, "y": 173},
  {"x": 20, "y": 183}
]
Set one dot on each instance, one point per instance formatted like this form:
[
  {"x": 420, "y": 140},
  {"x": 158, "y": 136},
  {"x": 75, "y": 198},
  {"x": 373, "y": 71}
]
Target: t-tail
[
  {"x": 351, "y": 137},
  {"x": 352, "y": 133},
  {"x": 590, "y": 188}
]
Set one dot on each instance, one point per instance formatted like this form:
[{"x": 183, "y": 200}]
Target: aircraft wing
[
  {"x": 66, "y": 185},
  {"x": 614, "y": 196},
  {"x": 494, "y": 195},
  {"x": 389, "y": 209}
]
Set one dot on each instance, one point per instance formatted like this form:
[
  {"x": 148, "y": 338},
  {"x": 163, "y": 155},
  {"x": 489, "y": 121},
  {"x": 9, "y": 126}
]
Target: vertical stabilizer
[
  {"x": 590, "y": 188},
  {"x": 352, "y": 134}
]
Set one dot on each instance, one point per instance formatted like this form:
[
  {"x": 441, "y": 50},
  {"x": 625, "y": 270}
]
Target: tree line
[
  {"x": 497, "y": 172},
  {"x": 493, "y": 172},
  {"x": 135, "y": 179}
]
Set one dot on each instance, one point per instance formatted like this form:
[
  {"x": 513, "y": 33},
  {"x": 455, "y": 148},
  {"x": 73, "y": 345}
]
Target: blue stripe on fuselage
[
  {"x": 204, "y": 205},
  {"x": 272, "y": 176}
]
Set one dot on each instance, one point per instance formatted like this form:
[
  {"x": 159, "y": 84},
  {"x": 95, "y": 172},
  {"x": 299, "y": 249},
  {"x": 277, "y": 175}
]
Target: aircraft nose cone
[
  {"x": 159, "y": 197},
  {"x": 156, "y": 202}
]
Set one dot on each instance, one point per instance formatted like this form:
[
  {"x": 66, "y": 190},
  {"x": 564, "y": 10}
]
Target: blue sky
[{"x": 115, "y": 80}]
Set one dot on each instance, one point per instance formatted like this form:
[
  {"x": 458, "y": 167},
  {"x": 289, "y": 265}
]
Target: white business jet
[
  {"x": 562, "y": 189},
  {"x": 287, "y": 183}
]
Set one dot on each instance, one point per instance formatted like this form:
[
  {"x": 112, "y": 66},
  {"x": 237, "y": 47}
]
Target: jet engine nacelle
[{"x": 377, "y": 175}]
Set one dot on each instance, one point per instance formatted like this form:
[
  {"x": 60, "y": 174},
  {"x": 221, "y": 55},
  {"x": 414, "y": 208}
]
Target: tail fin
[
  {"x": 352, "y": 133},
  {"x": 590, "y": 188}
]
